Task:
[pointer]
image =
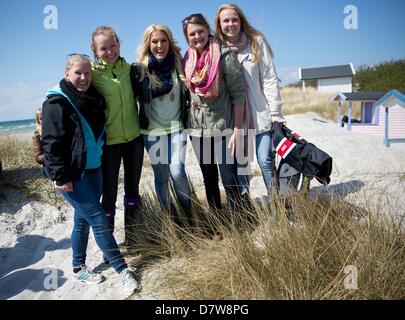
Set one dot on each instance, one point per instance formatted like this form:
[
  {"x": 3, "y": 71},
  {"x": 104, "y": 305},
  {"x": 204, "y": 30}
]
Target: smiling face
[
  {"x": 197, "y": 36},
  {"x": 159, "y": 44},
  {"x": 230, "y": 24},
  {"x": 107, "y": 48},
  {"x": 79, "y": 74}
]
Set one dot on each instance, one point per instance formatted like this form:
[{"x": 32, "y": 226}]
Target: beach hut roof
[
  {"x": 361, "y": 96},
  {"x": 392, "y": 98},
  {"x": 346, "y": 70}
]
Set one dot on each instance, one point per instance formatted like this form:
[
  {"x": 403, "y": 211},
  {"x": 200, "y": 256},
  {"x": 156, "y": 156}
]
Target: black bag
[
  {"x": 300, "y": 160},
  {"x": 290, "y": 181}
]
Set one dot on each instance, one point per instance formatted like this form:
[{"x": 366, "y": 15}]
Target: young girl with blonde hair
[
  {"x": 73, "y": 138},
  {"x": 262, "y": 85}
]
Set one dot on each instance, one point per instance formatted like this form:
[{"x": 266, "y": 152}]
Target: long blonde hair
[
  {"x": 144, "y": 50},
  {"x": 246, "y": 27}
]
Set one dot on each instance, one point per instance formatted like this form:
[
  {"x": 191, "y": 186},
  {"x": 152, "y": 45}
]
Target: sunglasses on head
[
  {"x": 194, "y": 15},
  {"x": 78, "y": 54}
]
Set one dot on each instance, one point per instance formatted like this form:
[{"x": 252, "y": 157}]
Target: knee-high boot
[{"x": 131, "y": 208}]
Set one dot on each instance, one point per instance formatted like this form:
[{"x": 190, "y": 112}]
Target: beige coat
[{"x": 262, "y": 87}]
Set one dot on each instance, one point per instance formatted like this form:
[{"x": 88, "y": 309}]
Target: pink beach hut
[{"x": 382, "y": 114}]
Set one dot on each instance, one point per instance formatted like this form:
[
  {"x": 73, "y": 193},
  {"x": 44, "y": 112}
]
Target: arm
[
  {"x": 54, "y": 142},
  {"x": 270, "y": 84}
]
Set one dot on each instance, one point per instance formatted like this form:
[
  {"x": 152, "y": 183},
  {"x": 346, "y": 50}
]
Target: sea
[{"x": 17, "y": 127}]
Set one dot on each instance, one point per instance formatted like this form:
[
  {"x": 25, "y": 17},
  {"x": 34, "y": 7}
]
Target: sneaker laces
[{"x": 88, "y": 270}]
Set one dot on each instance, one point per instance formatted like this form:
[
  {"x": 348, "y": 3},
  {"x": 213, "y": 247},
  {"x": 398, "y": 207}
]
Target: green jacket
[
  {"x": 114, "y": 83},
  {"x": 212, "y": 116}
]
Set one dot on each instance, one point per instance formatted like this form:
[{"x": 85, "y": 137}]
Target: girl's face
[
  {"x": 107, "y": 48},
  {"x": 79, "y": 75},
  {"x": 197, "y": 37},
  {"x": 159, "y": 44},
  {"x": 230, "y": 24}
]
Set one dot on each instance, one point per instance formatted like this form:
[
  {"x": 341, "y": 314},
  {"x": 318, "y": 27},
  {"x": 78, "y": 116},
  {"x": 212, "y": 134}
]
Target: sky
[{"x": 302, "y": 33}]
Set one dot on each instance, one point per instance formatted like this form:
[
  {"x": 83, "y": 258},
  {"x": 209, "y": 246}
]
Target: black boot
[
  {"x": 110, "y": 214},
  {"x": 132, "y": 206}
]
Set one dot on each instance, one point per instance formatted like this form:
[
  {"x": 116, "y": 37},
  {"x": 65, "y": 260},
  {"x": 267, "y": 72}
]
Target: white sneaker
[
  {"x": 128, "y": 281},
  {"x": 86, "y": 275}
]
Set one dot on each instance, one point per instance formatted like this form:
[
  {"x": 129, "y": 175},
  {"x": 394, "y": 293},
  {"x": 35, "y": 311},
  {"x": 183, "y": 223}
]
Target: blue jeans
[
  {"x": 167, "y": 154},
  {"x": 265, "y": 160},
  {"x": 88, "y": 212},
  {"x": 213, "y": 153}
]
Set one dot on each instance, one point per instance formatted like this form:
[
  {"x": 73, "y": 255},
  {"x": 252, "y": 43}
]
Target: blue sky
[{"x": 302, "y": 33}]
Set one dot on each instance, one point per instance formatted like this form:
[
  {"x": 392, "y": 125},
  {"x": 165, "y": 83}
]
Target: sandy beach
[{"x": 35, "y": 236}]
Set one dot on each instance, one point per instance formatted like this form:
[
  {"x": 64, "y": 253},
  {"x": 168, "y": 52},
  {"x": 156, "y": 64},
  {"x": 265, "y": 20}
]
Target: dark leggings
[
  {"x": 207, "y": 156},
  {"x": 132, "y": 155}
]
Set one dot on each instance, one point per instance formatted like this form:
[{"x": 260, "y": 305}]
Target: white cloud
[{"x": 20, "y": 101}]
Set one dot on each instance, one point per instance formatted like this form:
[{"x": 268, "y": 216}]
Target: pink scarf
[{"x": 203, "y": 73}]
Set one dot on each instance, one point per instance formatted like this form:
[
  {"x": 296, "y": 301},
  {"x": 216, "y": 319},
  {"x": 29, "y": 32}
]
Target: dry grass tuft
[
  {"x": 275, "y": 258},
  {"x": 297, "y": 101},
  {"x": 21, "y": 172}
]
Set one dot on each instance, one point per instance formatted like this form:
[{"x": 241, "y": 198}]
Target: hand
[
  {"x": 234, "y": 142},
  {"x": 67, "y": 187},
  {"x": 282, "y": 122}
]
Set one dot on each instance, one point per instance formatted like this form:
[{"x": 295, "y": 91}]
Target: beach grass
[
  {"x": 298, "y": 101},
  {"x": 328, "y": 249},
  {"x": 22, "y": 173}
]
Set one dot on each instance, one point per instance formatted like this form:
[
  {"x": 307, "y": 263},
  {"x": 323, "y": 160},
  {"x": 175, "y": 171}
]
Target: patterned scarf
[
  {"x": 203, "y": 73},
  {"x": 163, "y": 69}
]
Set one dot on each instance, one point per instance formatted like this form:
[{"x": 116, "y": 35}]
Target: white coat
[{"x": 262, "y": 86}]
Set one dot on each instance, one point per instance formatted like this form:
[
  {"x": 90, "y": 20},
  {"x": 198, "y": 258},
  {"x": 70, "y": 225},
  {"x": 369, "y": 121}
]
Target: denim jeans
[
  {"x": 88, "y": 212},
  {"x": 265, "y": 160},
  {"x": 213, "y": 152},
  {"x": 167, "y": 154}
]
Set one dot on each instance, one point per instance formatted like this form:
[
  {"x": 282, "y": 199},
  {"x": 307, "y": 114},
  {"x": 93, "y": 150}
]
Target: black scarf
[
  {"x": 163, "y": 69},
  {"x": 91, "y": 104}
]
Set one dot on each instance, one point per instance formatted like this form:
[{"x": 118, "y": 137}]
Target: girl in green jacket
[{"x": 111, "y": 77}]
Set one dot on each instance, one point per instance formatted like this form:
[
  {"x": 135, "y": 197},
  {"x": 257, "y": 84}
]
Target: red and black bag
[{"x": 303, "y": 156}]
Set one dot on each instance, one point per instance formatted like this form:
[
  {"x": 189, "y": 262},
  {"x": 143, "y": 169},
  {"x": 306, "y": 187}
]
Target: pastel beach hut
[{"x": 382, "y": 114}]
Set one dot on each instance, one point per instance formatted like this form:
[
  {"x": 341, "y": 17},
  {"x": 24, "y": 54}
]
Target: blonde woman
[
  {"x": 37, "y": 150},
  {"x": 262, "y": 87},
  {"x": 73, "y": 138},
  {"x": 158, "y": 80}
]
